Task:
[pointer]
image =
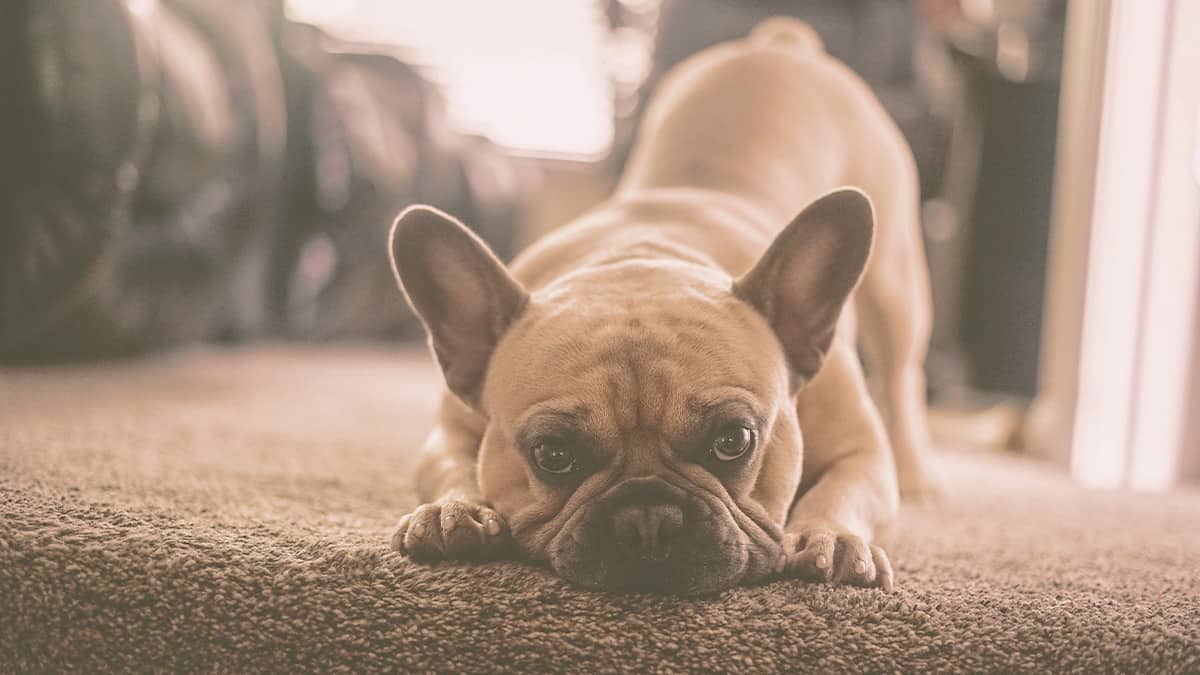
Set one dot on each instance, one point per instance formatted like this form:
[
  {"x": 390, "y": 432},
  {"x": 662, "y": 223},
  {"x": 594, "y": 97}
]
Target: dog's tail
[{"x": 785, "y": 31}]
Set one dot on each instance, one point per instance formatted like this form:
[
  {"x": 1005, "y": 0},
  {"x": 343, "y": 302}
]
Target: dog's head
[{"x": 641, "y": 431}]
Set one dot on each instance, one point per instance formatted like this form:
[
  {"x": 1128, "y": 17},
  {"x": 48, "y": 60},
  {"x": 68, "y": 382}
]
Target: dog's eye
[
  {"x": 732, "y": 442},
  {"x": 554, "y": 457}
]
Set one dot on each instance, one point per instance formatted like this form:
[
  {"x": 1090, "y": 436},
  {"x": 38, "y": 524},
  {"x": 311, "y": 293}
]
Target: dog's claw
[
  {"x": 451, "y": 530},
  {"x": 883, "y": 568},
  {"x": 826, "y": 554},
  {"x": 493, "y": 525}
]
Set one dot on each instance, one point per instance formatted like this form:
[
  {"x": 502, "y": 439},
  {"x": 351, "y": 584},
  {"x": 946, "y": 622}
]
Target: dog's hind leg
[{"x": 894, "y": 314}]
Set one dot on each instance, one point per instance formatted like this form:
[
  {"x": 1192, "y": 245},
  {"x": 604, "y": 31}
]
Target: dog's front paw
[
  {"x": 820, "y": 552},
  {"x": 452, "y": 530}
]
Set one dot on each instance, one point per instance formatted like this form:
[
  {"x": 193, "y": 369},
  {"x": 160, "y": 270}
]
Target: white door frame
[{"x": 1124, "y": 278}]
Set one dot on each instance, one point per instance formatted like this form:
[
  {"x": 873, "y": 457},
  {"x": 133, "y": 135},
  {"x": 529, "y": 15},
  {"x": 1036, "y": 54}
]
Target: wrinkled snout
[
  {"x": 646, "y": 532},
  {"x": 649, "y": 535}
]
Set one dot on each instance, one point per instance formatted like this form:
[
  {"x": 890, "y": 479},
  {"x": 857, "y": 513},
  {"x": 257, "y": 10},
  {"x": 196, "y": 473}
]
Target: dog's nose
[{"x": 646, "y": 531}]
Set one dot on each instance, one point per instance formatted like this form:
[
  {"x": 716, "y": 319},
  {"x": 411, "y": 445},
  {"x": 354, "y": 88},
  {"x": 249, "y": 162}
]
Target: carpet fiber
[{"x": 229, "y": 511}]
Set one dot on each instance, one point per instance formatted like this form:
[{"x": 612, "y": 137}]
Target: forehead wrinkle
[
  {"x": 634, "y": 369},
  {"x": 558, "y": 409},
  {"x": 650, "y": 366},
  {"x": 713, "y": 351},
  {"x": 630, "y": 361},
  {"x": 662, "y": 379},
  {"x": 638, "y": 376},
  {"x": 717, "y": 396},
  {"x": 621, "y": 387}
]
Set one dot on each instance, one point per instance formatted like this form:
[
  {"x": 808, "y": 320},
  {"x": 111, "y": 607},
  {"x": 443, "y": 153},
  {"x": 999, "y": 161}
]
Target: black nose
[{"x": 646, "y": 531}]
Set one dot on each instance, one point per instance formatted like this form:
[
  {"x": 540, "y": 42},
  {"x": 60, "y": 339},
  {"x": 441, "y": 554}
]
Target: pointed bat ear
[
  {"x": 459, "y": 289},
  {"x": 805, "y": 276}
]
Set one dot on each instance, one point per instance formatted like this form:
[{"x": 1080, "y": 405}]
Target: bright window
[{"x": 528, "y": 74}]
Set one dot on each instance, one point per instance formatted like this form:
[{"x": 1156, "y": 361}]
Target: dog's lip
[
  {"x": 743, "y": 519},
  {"x": 649, "y": 576},
  {"x": 669, "y": 575}
]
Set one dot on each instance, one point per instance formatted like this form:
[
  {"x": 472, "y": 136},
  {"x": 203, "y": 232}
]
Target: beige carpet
[{"x": 230, "y": 512}]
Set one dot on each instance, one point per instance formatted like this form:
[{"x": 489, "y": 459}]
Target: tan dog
[{"x": 626, "y": 405}]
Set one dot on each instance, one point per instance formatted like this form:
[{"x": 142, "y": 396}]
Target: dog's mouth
[
  {"x": 651, "y": 537},
  {"x": 690, "y": 572}
]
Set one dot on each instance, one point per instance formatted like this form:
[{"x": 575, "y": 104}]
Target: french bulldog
[{"x": 666, "y": 393}]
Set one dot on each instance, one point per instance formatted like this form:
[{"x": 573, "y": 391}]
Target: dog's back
[
  {"x": 792, "y": 114},
  {"x": 736, "y": 141}
]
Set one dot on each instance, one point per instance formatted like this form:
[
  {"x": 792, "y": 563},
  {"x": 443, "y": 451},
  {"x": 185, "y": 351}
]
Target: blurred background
[{"x": 175, "y": 172}]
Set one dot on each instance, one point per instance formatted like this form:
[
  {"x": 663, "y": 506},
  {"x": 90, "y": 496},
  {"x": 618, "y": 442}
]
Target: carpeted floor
[{"x": 230, "y": 511}]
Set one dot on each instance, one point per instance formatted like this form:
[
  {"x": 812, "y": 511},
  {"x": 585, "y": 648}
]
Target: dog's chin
[{"x": 649, "y": 577}]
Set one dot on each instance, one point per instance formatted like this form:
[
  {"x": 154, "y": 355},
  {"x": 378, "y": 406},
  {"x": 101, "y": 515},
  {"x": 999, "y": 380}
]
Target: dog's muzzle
[{"x": 645, "y": 534}]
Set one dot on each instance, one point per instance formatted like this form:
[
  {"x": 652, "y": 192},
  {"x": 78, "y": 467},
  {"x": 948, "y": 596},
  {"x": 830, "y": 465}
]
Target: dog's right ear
[{"x": 462, "y": 292}]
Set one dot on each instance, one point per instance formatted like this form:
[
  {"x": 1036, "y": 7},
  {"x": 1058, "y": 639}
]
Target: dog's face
[
  {"x": 634, "y": 409},
  {"x": 641, "y": 431}
]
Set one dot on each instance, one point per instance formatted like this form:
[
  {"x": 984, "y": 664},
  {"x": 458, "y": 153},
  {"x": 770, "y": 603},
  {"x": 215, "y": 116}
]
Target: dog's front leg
[
  {"x": 454, "y": 522},
  {"x": 849, "y": 486}
]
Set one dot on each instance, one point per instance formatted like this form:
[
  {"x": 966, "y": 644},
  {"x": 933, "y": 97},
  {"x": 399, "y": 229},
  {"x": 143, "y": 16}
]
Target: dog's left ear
[
  {"x": 802, "y": 281},
  {"x": 461, "y": 291}
]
